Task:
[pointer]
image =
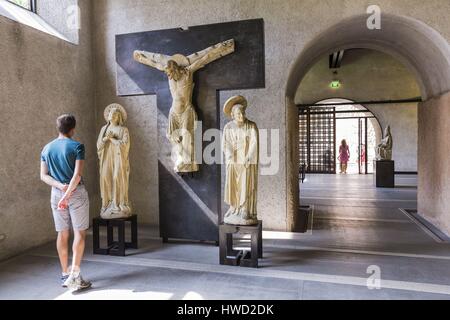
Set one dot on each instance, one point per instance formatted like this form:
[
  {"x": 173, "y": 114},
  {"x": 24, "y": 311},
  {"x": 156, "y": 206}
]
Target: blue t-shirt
[{"x": 60, "y": 156}]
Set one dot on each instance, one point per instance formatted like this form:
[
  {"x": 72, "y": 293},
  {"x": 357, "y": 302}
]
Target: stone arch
[
  {"x": 422, "y": 49},
  {"x": 418, "y": 46},
  {"x": 376, "y": 121}
]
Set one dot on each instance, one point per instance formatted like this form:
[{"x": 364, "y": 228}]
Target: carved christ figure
[{"x": 182, "y": 116}]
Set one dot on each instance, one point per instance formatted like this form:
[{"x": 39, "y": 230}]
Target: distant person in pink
[{"x": 344, "y": 155}]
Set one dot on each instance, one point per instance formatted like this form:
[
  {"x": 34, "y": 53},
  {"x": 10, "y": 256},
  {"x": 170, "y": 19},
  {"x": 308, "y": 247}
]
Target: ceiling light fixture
[{"x": 335, "y": 83}]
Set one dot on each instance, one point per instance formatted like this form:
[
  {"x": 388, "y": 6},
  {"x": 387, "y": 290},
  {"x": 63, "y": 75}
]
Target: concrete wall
[
  {"x": 289, "y": 27},
  {"x": 434, "y": 167},
  {"x": 41, "y": 77},
  {"x": 402, "y": 117}
]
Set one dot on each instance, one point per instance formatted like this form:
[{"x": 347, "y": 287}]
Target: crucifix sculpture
[
  {"x": 190, "y": 206},
  {"x": 182, "y": 116}
]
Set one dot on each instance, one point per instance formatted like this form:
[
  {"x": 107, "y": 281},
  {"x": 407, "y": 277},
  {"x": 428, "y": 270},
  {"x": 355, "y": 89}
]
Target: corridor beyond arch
[{"x": 418, "y": 46}]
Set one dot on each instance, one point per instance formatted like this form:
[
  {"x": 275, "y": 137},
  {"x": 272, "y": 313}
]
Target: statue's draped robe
[
  {"x": 241, "y": 146},
  {"x": 114, "y": 172}
]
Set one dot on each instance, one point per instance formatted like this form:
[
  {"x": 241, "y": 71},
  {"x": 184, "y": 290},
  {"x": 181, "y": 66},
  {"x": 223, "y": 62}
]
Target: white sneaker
[{"x": 77, "y": 282}]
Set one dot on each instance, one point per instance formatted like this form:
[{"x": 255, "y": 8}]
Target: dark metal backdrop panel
[{"x": 190, "y": 207}]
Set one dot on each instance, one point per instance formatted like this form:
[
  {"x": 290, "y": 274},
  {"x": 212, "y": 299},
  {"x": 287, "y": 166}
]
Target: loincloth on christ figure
[{"x": 180, "y": 132}]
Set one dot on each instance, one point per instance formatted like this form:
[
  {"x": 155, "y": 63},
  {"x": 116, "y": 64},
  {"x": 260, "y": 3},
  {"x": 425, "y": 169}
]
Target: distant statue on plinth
[{"x": 384, "y": 149}]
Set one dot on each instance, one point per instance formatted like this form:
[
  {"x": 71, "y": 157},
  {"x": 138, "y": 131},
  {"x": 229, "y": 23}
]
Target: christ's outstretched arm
[
  {"x": 155, "y": 60},
  {"x": 202, "y": 58}
]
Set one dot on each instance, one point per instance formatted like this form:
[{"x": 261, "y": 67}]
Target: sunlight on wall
[
  {"x": 23, "y": 3},
  {"x": 28, "y": 18}
]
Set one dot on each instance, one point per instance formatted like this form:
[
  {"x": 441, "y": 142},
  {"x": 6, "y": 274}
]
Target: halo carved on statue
[
  {"x": 231, "y": 102},
  {"x": 115, "y": 106}
]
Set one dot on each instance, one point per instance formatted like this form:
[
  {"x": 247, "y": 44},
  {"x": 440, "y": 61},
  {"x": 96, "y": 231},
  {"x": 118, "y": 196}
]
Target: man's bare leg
[
  {"x": 75, "y": 281},
  {"x": 62, "y": 245},
  {"x": 78, "y": 249}
]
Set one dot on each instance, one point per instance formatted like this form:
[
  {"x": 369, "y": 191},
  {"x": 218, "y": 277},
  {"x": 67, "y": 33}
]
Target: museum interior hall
[{"x": 225, "y": 150}]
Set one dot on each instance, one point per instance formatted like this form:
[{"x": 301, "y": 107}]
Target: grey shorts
[{"x": 77, "y": 213}]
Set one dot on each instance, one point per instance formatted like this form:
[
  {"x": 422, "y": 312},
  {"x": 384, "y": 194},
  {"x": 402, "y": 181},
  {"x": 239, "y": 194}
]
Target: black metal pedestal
[
  {"x": 115, "y": 248},
  {"x": 384, "y": 173},
  {"x": 303, "y": 221},
  {"x": 231, "y": 257}
]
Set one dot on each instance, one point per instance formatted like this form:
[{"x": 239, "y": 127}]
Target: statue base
[
  {"x": 114, "y": 212},
  {"x": 383, "y": 173},
  {"x": 238, "y": 221},
  {"x": 243, "y": 258},
  {"x": 235, "y": 216},
  {"x": 114, "y": 248}
]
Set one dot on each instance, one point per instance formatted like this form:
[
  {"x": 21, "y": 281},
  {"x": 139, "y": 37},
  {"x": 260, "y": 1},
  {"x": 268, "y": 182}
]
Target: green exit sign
[{"x": 335, "y": 84}]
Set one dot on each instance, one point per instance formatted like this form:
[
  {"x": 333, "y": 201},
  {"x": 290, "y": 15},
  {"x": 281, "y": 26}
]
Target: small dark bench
[
  {"x": 231, "y": 257},
  {"x": 115, "y": 248}
]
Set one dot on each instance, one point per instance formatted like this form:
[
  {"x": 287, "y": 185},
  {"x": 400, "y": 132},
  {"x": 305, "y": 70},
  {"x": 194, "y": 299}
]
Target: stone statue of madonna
[{"x": 113, "y": 146}]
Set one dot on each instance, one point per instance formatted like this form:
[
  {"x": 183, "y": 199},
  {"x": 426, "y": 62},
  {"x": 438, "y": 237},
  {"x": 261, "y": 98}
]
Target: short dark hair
[{"x": 65, "y": 123}]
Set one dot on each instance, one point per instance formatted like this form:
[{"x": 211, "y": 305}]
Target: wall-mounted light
[{"x": 335, "y": 83}]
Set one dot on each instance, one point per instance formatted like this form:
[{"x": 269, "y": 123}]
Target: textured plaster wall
[
  {"x": 434, "y": 167},
  {"x": 41, "y": 77},
  {"x": 402, "y": 117},
  {"x": 289, "y": 26}
]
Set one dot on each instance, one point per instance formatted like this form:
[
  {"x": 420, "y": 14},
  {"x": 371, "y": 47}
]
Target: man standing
[{"x": 62, "y": 162}]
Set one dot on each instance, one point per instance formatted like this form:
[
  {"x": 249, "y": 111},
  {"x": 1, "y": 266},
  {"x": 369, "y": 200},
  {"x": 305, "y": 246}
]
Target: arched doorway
[
  {"x": 419, "y": 47},
  {"x": 353, "y": 122}
]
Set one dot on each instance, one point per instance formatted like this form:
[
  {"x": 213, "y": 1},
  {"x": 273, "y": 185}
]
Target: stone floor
[{"x": 356, "y": 228}]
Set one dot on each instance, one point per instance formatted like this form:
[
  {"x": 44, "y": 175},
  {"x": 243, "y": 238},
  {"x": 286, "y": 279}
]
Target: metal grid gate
[{"x": 317, "y": 139}]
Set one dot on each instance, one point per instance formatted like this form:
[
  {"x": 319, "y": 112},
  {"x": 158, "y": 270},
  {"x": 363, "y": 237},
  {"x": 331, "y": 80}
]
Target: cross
[{"x": 190, "y": 207}]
